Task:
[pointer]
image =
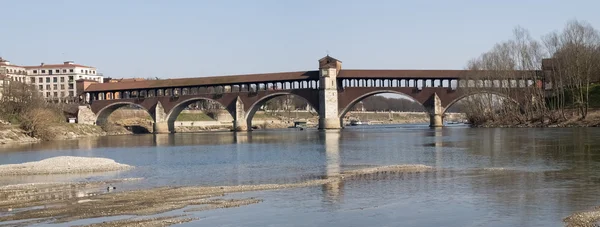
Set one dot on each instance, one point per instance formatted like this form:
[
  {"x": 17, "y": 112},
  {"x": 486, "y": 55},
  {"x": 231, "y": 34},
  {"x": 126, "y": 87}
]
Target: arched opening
[
  {"x": 384, "y": 107},
  {"x": 479, "y": 107},
  {"x": 282, "y": 110},
  {"x": 199, "y": 114},
  {"x": 124, "y": 116}
]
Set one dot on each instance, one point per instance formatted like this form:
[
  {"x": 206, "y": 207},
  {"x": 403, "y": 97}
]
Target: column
[
  {"x": 434, "y": 107},
  {"x": 239, "y": 118},
  {"x": 161, "y": 124}
]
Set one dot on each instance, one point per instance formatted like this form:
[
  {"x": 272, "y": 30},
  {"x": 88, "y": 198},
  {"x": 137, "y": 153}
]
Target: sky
[{"x": 195, "y": 38}]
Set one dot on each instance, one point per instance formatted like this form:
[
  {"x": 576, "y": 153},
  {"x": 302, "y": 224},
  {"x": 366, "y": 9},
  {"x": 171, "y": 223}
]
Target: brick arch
[
  {"x": 468, "y": 94},
  {"x": 103, "y": 114},
  {"x": 173, "y": 111},
  {"x": 253, "y": 107},
  {"x": 346, "y": 105}
]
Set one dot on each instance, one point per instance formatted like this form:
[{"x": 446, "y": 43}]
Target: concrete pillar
[
  {"x": 328, "y": 93},
  {"x": 161, "y": 124},
  {"x": 239, "y": 118},
  {"x": 436, "y": 111}
]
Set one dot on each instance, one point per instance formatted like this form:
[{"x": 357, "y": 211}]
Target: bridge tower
[{"x": 328, "y": 93}]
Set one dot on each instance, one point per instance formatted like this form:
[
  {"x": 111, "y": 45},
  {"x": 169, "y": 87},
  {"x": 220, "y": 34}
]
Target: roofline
[{"x": 296, "y": 76}]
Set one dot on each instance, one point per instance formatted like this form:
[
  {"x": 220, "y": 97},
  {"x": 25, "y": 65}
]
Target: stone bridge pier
[{"x": 436, "y": 110}]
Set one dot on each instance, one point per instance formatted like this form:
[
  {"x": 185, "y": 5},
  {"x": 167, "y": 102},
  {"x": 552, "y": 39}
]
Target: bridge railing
[{"x": 452, "y": 84}]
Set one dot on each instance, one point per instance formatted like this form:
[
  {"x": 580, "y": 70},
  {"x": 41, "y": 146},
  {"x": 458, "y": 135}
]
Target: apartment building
[
  {"x": 12, "y": 72},
  {"x": 57, "y": 81},
  {"x": 4, "y": 81}
]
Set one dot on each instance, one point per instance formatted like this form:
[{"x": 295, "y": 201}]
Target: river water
[{"x": 483, "y": 177}]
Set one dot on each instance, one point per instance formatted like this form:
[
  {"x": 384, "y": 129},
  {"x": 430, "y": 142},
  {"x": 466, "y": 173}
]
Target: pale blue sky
[{"x": 189, "y": 38}]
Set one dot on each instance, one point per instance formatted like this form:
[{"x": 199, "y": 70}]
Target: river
[{"x": 483, "y": 176}]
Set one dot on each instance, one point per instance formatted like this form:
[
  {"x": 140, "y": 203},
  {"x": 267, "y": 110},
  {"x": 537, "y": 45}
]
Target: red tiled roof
[{"x": 198, "y": 81}]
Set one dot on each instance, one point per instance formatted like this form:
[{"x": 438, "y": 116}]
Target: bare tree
[
  {"x": 503, "y": 73},
  {"x": 575, "y": 64}
]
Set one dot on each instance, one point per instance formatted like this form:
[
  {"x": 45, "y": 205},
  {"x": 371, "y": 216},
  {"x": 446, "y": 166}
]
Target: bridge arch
[
  {"x": 257, "y": 104},
  {"x": 349, "y": 106},
  {"x": 482, "y": 92},
  {"x": 179, "y": 107},
  {"x": 104, "y": 113}
]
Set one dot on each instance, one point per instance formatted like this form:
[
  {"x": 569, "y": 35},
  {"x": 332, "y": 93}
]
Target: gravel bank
[
  {"x": 61, "y": 165},
  {"x": 584, "y": 219},
  {"x": 64, "y": 202}
]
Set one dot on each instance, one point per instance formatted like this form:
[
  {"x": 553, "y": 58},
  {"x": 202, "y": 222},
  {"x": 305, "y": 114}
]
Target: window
[
  {"x": 47, "y": 87},
  {"x": 64, "y": 71},
  {"x": 62, "y": 87},
  {"x": 55, "y": 87},
  {"x": 57, "y": 71},
  {"x": 70, "y": 86},
  {"x": 54, "y": 79},
  {"x": 43, "y": 71},
  {"x": 47, "y": 79},
  {"x": 70, "y": 93},
  {"x": 40, "y": 87},
  {"x": 55, "y": 94},
  {"x": 47, "y": 94},
  {"x": 32, "y": 79},
  {"x": 82, "y": 71},
  {"x": 34, "y": 71},
  {"x": 40, "y": 80},
  {"x": 62, "y": 79},
  {"x": 62, "y": 94},
  {"x": 86, "y": 72},
  {"x": 70, "y": 70}
]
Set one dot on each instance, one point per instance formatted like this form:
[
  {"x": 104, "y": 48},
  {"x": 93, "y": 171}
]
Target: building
[
  {"x": 58, "y": 81},
  {"x": 122, "y": 80},
  {"x": 12, "y": 72},
  {"x": 4, "y": 82}
]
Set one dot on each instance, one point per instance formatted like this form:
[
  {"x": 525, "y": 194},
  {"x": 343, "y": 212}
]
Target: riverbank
[
  {"x": 592, "y": 120},
  {"x": 12, "y": 134}
]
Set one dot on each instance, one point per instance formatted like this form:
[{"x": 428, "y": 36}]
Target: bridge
[{"x": 330, "y": 90}]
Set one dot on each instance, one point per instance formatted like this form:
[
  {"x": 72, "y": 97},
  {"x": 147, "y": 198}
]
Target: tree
[
  {"x": 513, "y": 61},
  {"x": 575, "y": 64}
]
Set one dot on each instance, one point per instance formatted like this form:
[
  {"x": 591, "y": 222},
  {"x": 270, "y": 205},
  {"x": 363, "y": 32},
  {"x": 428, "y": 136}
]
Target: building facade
[
  {"x": 4, "y": 82},
  {"x": 12, "y": 72},
  {"x": 55, "y": 82}
]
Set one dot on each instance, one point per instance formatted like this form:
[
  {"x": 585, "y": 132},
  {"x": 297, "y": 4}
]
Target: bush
[{"x": 38, "y": 122}]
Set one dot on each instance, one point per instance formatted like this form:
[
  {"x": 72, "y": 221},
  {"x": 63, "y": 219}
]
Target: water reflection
[
  {"x": 332, "y": 190},
  {"x": 525, "y": 177}
]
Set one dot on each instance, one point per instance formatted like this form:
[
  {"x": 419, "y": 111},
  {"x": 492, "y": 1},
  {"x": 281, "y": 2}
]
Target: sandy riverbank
[{"x": 61, "y": 165}]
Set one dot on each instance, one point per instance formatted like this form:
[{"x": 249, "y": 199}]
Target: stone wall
[{"x": 86, "y": 116}]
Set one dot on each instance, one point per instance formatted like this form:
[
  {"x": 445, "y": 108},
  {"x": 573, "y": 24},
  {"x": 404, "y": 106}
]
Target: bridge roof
[
  {"x": 306, "y": 75},
  {"x": 199, "y": 81}
]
